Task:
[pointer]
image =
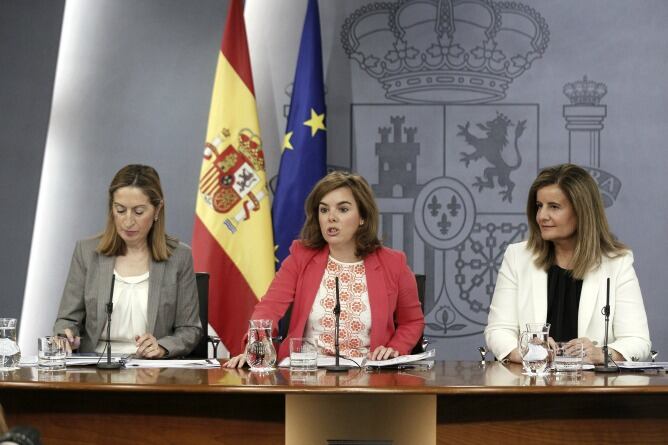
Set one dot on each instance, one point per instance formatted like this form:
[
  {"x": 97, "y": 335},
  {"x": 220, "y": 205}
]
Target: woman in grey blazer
[
  {"x": 560, "y": 275},
  {"x": 156, "y": 309}
]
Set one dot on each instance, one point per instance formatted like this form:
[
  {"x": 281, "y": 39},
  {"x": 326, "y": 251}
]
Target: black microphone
[
  {"x": 109, "y": 307},
  {"x": 606, "y": 312},
  {"x": 337, "y": 314}
]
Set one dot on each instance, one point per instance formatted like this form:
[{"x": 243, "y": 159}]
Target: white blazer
[{"x": 520, "y": 297}]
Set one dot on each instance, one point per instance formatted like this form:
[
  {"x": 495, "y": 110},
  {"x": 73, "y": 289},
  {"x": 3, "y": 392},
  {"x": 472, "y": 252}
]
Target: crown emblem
[
  {"x": 585, "y": 92},
  {"x": 445, "y": 51}
]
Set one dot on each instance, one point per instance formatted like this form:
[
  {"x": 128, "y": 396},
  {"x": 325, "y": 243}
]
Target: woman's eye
[
  {"x": 323, "y": 210},
  {"x": 120, "y": 211},
  {"x": 344, "y": 209}
]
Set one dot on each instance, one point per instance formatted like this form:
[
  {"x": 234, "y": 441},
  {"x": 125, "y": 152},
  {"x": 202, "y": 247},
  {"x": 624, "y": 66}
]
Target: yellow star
[
  {"x": 286, "y": 142},
  {"x": 317, "y": 122}
]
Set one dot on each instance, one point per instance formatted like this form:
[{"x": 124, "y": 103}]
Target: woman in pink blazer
[{"x": 381, "y": 317}]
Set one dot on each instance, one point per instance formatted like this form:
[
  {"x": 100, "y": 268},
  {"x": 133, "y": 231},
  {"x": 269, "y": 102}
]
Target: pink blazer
[{"x": 397, "y": 320}]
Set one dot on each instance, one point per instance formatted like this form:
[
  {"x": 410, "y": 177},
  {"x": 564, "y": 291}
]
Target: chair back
[
  {"x": 201, "y": 350},
  {"x": 421, "y": 281}
]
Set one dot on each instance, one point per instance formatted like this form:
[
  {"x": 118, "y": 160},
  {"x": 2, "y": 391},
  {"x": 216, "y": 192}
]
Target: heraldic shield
[
  {"x": 232, "y": 175},
  {"x": 451, "y": 184}
]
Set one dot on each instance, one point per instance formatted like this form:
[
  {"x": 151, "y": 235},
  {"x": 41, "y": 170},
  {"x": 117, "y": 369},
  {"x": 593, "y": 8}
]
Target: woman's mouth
[{"x": 331, "y": 231}]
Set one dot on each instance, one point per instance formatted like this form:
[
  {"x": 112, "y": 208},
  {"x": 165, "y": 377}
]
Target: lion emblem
[{"x": 490, "y": 147}]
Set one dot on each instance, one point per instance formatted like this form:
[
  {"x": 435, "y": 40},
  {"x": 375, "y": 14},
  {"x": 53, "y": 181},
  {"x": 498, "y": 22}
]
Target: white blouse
[
  {"x": 355, "y": 318},
  {"x": 129, "y": 317}
]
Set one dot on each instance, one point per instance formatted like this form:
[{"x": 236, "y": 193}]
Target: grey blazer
[{"x": 173, "y": 305}]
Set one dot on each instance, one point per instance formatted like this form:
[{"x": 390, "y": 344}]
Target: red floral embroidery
[
  {"x": 358, "y": 288},
  {"x": 329, "y": 303},
  {"x": 353, "y": 331},
  {"x": 345, "y": 277},
  {"x": 357, "y": 306}
]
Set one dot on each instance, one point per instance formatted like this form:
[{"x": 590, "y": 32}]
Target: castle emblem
[
  {"x": 490, "y": 147},
  {"x": 445, "y": 51},
  {"x": 233, "y": 176}
]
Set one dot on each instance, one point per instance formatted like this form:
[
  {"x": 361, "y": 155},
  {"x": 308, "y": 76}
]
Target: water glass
[
  {"x": 303, "y": 354},
  {"x": 569, "y": 358},
  {"x": 535, "y": 349},
  {"x": 51, "y": 353},
  {"x": 10, "y": 355},
  {"x": 260, "y": 351}
]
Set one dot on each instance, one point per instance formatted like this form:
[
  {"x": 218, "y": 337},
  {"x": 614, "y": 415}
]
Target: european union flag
[{"x": 304, "y": 156}]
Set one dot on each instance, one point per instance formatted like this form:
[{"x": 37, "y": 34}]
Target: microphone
[
  {"x": 337, "y": 314},
  {"x": 606, "y": 312},
  {"x": 109, "y": 308}
]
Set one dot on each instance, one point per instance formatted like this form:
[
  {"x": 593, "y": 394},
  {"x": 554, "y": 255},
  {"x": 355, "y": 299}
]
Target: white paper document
[
  {"x": 403, "y": 360},
  {"x": 73, "y": 360},
  {"x": 92, "y": 359},
  {"x": 328, "y": 360},
  {"x": 194, "y": 364},
  {"x": 641, "y": 365},
  {"x": 421, "y": 360}
]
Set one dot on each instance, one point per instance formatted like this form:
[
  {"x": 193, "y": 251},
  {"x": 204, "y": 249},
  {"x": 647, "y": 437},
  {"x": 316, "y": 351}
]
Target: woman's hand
[
  {"x": 71, "y": 342},
  {"x": 238, "y": 361},
  {"x": 591, "y": 353},
  {"x": 382, "y": 353},
  {"x": 148, "y": 347}
]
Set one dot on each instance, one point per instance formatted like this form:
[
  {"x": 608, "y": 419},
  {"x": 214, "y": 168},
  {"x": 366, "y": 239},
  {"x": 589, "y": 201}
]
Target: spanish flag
[{"x": 232, "y": 235}]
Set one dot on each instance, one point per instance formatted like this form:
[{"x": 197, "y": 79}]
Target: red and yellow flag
[{"x": 232, "y": 236}]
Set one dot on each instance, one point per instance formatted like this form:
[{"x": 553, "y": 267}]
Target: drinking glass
[
  {"x": 51, "y": 353},
  {"x": 260, "y": 351},
  {"x": 10, "y": 354},
  {"x": 535, "y": 348},
  {"x": 568, "y": 359},
  {"x": 303, "y": 355}
]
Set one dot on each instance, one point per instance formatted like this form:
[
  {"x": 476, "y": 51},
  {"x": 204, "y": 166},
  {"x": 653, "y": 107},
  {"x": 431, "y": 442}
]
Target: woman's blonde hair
[
  {"x": 592, "y": 233},
  {"x": 366, "y": 237},
  {"x": 145, "y": 178}
]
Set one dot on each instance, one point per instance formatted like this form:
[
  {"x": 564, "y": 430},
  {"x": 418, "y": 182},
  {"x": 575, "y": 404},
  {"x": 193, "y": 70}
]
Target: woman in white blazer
[{"x": 559, "y": 275}]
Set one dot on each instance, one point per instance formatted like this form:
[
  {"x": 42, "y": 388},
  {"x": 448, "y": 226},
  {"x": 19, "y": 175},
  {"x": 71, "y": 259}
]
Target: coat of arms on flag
[{"x": 232, "y": 176}]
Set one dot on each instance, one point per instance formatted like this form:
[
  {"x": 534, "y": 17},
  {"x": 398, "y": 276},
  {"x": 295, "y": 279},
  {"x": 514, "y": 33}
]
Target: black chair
[
  {"x": 202, "y": 348},
  {"x": 422, "y": 344}
]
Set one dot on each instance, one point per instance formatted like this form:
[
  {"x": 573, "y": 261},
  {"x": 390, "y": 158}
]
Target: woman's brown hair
[
  {"x": 145, "y": 178},
  {"x": 366, "y": 237},
  {"x": 592, "y": 235}
]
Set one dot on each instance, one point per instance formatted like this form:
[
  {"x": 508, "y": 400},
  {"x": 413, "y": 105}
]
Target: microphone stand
[
  {"x": 606, "y": 312},
  {"x": 109, "y": 308},
  {"x": 337, "y": 314}
]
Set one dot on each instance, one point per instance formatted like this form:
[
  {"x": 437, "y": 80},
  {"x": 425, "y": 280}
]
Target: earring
[{"x": 155, "y": 219}]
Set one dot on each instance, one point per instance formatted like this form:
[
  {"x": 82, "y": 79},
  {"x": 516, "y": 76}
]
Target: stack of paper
[
  {"x": 195, "y": 363},
  {"x": 424, "y": 359}
]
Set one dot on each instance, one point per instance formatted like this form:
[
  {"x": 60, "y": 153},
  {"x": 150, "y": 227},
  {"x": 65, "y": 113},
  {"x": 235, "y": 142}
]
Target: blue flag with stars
[{"x": 304, "y": 151}]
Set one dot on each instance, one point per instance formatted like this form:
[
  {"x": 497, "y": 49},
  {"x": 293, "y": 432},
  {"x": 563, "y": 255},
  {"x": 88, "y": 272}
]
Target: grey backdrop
[
  {"x": 29, "y": 36},
  {"x": 133, "y": 85}
]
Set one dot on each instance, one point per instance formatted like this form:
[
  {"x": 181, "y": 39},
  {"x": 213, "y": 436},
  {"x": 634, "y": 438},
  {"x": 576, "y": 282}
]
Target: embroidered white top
[
  {"x": 129, "y": 317},
  {"x": 355, "y": 318}
]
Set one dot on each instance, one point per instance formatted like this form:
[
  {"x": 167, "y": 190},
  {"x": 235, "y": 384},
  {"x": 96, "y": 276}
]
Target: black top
[{"x": 563, "y": 301}]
